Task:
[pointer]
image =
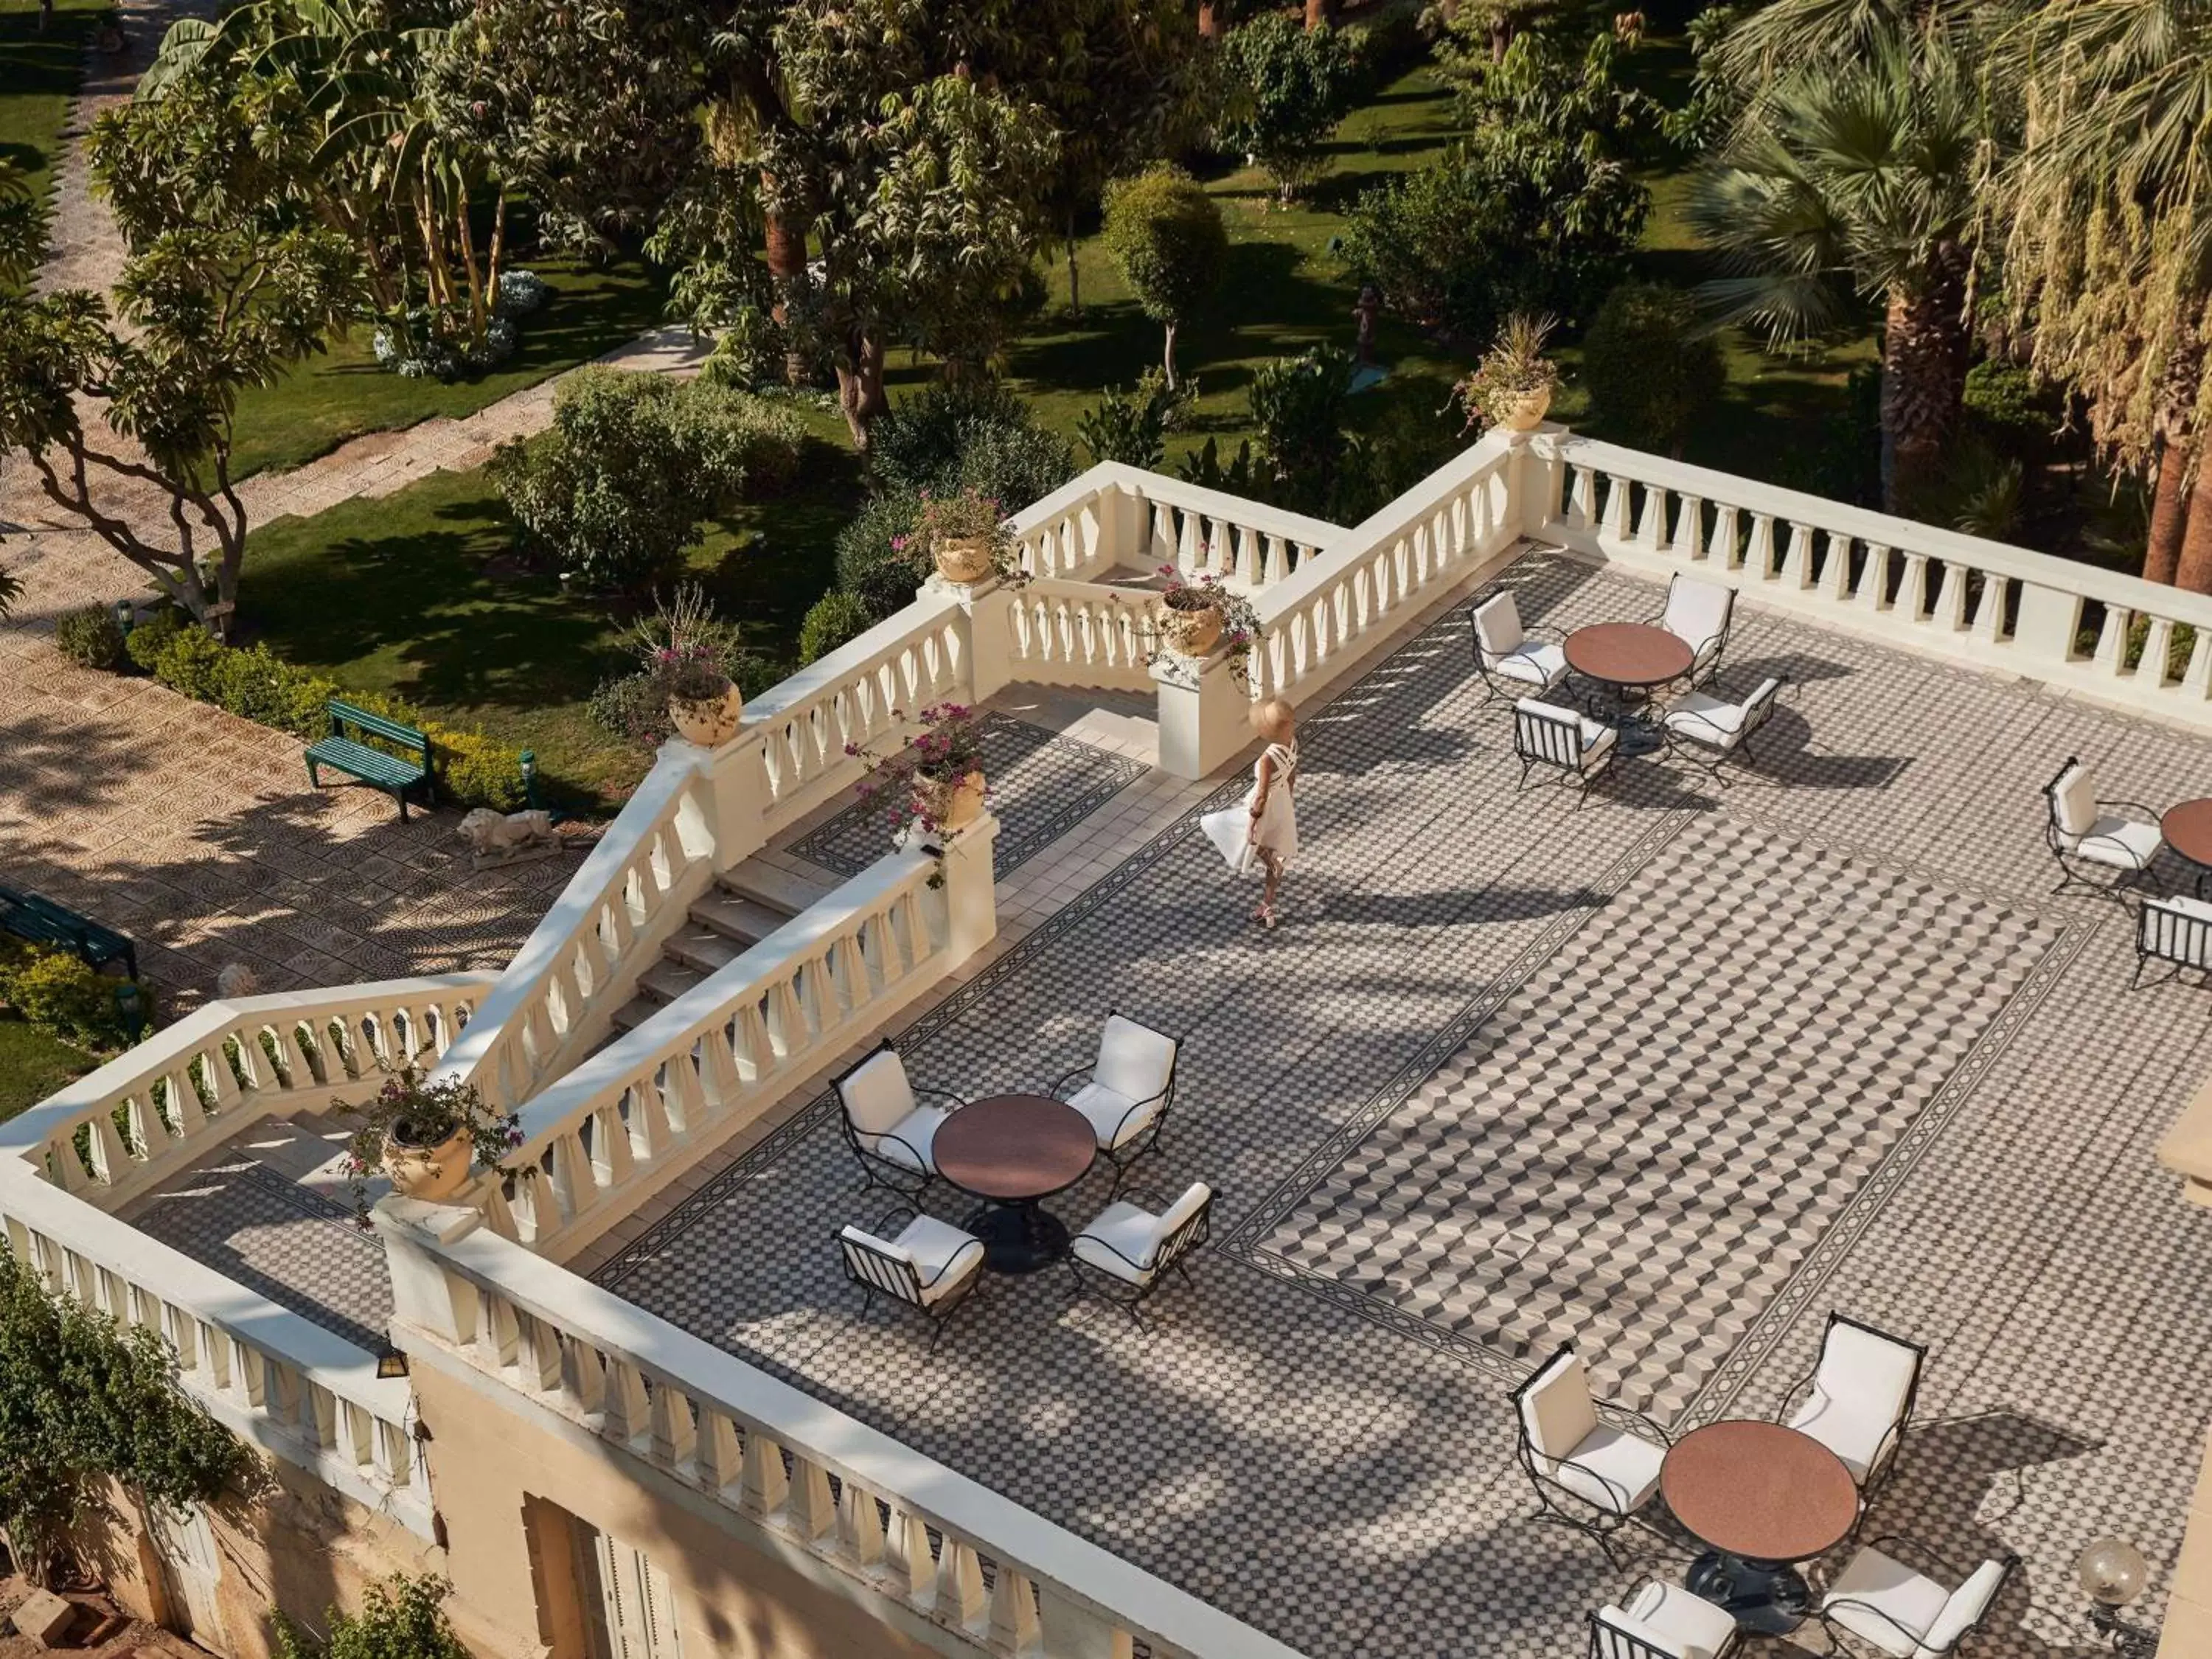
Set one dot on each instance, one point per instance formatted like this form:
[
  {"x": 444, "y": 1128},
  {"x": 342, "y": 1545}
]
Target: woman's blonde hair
[{"x": 1274, "y": 717}]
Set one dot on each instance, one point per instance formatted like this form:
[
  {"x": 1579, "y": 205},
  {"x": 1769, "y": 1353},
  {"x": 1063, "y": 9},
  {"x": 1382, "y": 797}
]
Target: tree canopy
[{"x": 1165, "y": 236}]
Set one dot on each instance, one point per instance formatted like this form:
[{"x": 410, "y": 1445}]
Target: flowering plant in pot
[
  {"x": 683, "y": 649},
  {"x": 1197, "y": 614},
  {"x": 963, "y": 537},
  {"x": 427, "y": 1136},
  {"x": 935, "y": 779},
  {"x": 1512, "y": 386}
]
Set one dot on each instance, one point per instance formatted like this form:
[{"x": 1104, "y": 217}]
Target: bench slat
[
  {"x": 377, "y": 725},
  {"x": 365, "y": 762},
  {"x": 35, "y": 917}
]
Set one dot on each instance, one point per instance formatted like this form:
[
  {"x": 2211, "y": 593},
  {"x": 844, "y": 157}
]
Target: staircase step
[
  {"x": 666, "y": 980},
  {"x": 746, "y": 920},
  {"x": 777, "y": 889},
  {"x": 705, "y": 948},
  {"x": 632, "y": 1014}
]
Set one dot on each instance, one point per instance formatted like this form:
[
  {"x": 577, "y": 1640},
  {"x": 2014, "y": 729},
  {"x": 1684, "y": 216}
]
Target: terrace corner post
[
  {"x": 1205, "y": 713},
  {"x": 989, "y": 607}
]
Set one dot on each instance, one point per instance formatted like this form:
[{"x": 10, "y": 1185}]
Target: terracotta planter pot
[
  {"x": 963, "y": 558},
  {"x": 1529, "y": 412},
  {"x": 710, "y": 722},
  {"x": 1192, "y": 632},
  {"x": 431, "y": 1173},
  {"x": 952, "y": 807}
]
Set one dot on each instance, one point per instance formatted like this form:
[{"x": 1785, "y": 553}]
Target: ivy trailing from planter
[
  {"x": 419, "y": 1116},
  {"x": 84, "y": 1401}
]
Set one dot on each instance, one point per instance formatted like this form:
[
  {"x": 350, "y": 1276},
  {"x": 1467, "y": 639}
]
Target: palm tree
[
  {"x": 1855, "y": 182},
  {"x": 2110, "y": 242}
]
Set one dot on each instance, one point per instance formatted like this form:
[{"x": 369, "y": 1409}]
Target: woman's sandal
[{"x": 1264, "y": 915}]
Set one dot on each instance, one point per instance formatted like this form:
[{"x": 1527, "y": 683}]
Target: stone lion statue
[{"x": 502, "y": 834}]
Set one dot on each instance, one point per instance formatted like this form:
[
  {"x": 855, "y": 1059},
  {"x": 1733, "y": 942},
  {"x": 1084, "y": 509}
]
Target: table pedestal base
[
  {"x": 1770, "y": 1597},
  {"x": 1018, "y": 1238}
]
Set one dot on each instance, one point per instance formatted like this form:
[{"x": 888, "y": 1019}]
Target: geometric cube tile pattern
[
  {"x": 1638, "y": 1144},
  {"x": 1042, "y": 784}
]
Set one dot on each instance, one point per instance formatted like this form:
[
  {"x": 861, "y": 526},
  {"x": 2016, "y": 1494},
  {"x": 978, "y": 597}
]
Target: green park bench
[
  {"x": 42, "y": 922},
  {"x": 370, "y": 764}
]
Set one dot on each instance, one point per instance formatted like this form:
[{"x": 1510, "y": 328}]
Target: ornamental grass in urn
[
  {"x": 684, "y": 651},
  {"x": 429, "y": 1137},
  {"x": 965, "y": 536},
  {"x": 935, "y": 780},
  {"x": 1197, "y": 615},
  {"x": 1512, "y": 386}
]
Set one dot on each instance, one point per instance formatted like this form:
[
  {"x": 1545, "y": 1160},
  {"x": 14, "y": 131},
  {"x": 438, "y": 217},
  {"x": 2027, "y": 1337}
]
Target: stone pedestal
[
  {"x": 989, "y": 604},
  {"x": 1206, "y": 715},
  {"x": 971, "y": 902}
]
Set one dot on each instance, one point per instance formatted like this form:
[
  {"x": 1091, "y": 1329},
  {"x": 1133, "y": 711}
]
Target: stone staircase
[{"x": 743, "y": 907}]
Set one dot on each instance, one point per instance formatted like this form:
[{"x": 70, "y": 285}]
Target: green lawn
[
  {"x": 329, "y": 399},
  {"x": 39, "y": 74},
  {"x": 418, "y": 594},
  {"x": 33, "y": 1065}
]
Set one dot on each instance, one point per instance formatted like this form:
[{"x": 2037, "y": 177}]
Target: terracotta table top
[
  {"x": 2188, "y": 830},
  {"x": 1760, "y": 1491},
  {"x": 1012, "y": 1147},
  {"x": 1627, "y": 653}
]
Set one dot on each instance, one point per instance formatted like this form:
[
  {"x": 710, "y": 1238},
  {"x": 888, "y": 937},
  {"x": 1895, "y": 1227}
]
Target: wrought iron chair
[
  {"x": 1882, "y": 1605},
  {"x": 1710, "y": 731},
  {"x": 931, "y": 1265},
  {"x": 1570, "y": 1452},
  {"x": 2082, "y": 830},
  {"x": 1577, "y": 747},
  {"x": 1660, "y": 1620},
  {"x": 2175, "y": 931},
  {"x": 1127, "y": 1092},
  {"x": 887, "y": 1128},
  {"x": 1859, "y": 1399},
  {"x": 1512, "y": 661},
  {"x": 1126, "y": 1251},
  {"x": 1699, "y": 614}
]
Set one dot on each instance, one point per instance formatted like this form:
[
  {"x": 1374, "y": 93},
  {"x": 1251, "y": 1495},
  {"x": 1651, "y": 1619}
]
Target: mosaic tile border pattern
[{"x": 1042, "y": 784}]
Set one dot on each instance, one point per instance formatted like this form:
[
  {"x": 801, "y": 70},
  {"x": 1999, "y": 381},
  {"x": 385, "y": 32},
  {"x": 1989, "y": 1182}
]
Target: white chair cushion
[
  {"x": 2200, "y": 909},
  {"x": 2074, "y": 800},
  {"x": 1128, "y": 1229},
  {"x": 1704, "y": 718},
  {"x": 1612, "y": 1468},
  {"x": 1696, "y": 612},
  {"x": 931, "y": 1245},
  {"x": 877, "y": 1094},
  {"x": 1859, "y": 1393},
  {"x": 908, "y": 1142},
  {"x": 1134, "y": 1061},
  {"x": 1876, "y": 1580},
  {"x": 1688, "y": 1625},
  {"x": 1498, "y": 627},
  {"x": 1113, "y": 1122},
  {"x": 1597, "y": 738},
  {"x": 1536, "y": 663},
  {"x": 1967, "y": 1603},
  {"x": 1557, "y": 1412},
  {"x": 2124, "y": 843}
]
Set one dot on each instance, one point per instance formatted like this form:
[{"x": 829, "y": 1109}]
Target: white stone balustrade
[
  {"x": 2115, "y": 638},
  {"x": 1350, "y": 601},
  {"x": 641, "y": 1111},
  {"x": 191, "y": 1086},
  {"x": 1079, "y": 634},
  {"x": 808, "y": 1480},
  {"x": 1248, "y": 545}
]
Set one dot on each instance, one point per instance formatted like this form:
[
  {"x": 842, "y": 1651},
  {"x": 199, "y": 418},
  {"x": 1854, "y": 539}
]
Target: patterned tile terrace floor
[{"x": 1670, "y": 1075}]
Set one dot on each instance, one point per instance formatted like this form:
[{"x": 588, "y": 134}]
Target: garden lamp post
[
  {"x": 126, "y": 615},
  {"x": 131, "y": 1003},
  {"x": 2113, "y": 1573}
]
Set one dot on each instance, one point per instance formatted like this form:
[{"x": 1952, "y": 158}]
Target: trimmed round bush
[
  {"x": 91, "y": 637},
  {"x": 520, "y": 294},
  {"x": 833, "y": 618},
  {"x": 881, "y": 576}
]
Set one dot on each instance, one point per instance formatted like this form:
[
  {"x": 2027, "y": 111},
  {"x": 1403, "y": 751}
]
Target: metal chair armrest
[
  {"x": 1135, "y": 1106},
  {"x": 958, "y": 1101},
  {"x": 923, "y": 1166},
  {"x": 1621, "y": 1492},
  {"x": 1657, "y": 1433},
  {"x": 2135, "y": 806},
  {"x": 1083, "y": 1072},
  {"x": 1721, "y": 733},
  {"x": 1903, "y": 1548},
  {"x": 882, "y": 1228},
  {"x": 1827, "y": 1617},
  {"x": 954, "y": 1261}
]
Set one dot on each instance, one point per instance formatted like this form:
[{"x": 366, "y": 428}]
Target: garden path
[{"x": 187, "y": 828}]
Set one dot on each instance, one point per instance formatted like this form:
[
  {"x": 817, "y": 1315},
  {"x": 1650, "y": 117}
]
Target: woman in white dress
[{"x": 1261, "y": 832}]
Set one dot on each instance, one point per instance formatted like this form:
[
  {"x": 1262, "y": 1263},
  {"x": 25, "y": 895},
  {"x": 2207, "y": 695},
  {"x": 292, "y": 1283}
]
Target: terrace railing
[
  {"x": 2113, "y": 637},
  {"x": 921, "y": 1547}
]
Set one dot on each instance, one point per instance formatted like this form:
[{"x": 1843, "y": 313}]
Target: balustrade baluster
[
  {"x": 768, "y": 1488},
  {"x": 1950, "y": 609},
  {"x": 1912, "y": 597},
  {"x": 2112, "y": 654},
  {"x": 1013, "y": 1612},
  {"x": 2158, "y": 643},
  {"x": 719, "y": 1464},
  {"x": 859, "y": 1527},
  {"x": 675, "y": 1436},
  {"x": 1651, "y": 523},
  {"x": 1619, "y": 494},
  {"x": 1874, "y": 579},
  {"x": 2197, "y": 678},
  {"x": 1582, "y": 499},
  {"x": 960, "y": 1581},
  {"x": 584, "y": 1378},
  {"x": 1836, "y": 569},
  {"x": 626, "y": 1410},
  {"x": 1689, "y": 539},
  {"x": 1797, "y": 559},
  {"x": 907, "y": 1567},
  {"x": 1990, "y": 610}
]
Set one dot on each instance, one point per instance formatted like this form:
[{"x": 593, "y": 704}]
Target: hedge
[
  {"x": 53, "y": 990},
  {"x": 253, "y": 682}
]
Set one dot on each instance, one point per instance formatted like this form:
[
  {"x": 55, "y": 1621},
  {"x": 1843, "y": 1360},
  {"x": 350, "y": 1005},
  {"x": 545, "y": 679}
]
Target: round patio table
[
  {"x": 1013, "y": 1152},
  {"x": 1629, "y": 658},
  {"x": 1762, "y": 1497},
  {"x": 2188, "y": 830}
]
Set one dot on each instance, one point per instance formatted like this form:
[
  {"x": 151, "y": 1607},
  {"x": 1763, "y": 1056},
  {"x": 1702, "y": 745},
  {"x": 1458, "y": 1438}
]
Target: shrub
[
  {"x": 54, "y": 990},
  {"x": 634, "y": 464},
  {"x": 1293, "y": 85},
  {"x": 869, "y": 567},
  {"x": 1125, "y": 427},
  {"x": 91, "y": 637},
  {"x": 400, "y": 1618},
  {"x": 152, "y": 637},
  {"x": 1164, "y": 235},
  {"x": 521, "y": 293},
  {"x": 833, "y": 618},
  {"x": 952, "y": 434},
  {"x": 1651, "y": 370},
  {"x": 1432, "y": 244},
  {"x": 754, "y": 438},
  {"x": 1298, "y": 403}
]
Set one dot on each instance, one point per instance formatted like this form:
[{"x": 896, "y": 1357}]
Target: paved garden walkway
[{"x": 191, "y": 830}]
